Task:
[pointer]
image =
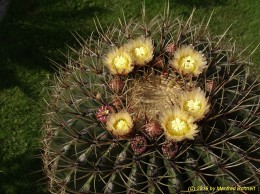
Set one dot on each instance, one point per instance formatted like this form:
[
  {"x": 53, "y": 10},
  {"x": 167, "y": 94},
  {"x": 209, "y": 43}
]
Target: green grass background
[{"x": 35, "y": 30}]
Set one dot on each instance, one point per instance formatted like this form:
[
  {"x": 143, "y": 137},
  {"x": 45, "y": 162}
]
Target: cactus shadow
[
  {"x": 22, "y": 175},
  {"x": 34, "y": 31}
]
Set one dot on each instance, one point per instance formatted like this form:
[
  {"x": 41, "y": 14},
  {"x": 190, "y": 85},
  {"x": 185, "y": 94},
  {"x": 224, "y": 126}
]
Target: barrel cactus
[{"x": 155, "y": 106}]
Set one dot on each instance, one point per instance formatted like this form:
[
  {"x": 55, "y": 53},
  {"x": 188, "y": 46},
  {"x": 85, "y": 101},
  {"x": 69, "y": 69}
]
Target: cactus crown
[{"x": 153, "y": 107}]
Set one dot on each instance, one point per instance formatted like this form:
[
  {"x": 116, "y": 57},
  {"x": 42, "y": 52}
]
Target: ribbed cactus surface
[{"x": 155, "y": 106}]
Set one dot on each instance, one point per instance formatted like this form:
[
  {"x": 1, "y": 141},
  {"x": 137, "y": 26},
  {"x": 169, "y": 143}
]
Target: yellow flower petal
[
  {"x": 119, "y": 61},
  {"x": 194, "y": 103},
  {"x": 120, "y": 124},
  {"x": 141, "y": 50},
  {"x": 178, "y": 125},
  {"x": 188, "y": 61}
]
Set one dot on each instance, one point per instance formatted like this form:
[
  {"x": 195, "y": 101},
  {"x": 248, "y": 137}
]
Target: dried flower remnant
[
  {"x": 138, "y": 144},
  {"x": 169, "y": 149}
]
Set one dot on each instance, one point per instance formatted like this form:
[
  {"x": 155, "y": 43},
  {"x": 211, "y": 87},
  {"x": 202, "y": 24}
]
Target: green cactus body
[{"x": 136, "y": 114}]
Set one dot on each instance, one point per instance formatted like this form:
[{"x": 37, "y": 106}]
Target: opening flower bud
[{"x": 103, "y": 113}]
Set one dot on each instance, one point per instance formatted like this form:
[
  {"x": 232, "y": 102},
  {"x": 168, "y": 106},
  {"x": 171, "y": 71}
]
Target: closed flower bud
[
  {"x": 170, "y": 49},
  {"x": 116, "y": 85},
  {"x": 153, "y": 129}
]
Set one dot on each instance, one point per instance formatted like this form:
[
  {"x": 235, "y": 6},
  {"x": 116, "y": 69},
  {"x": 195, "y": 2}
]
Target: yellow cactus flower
[
  {"x": 194, "y": 103},
  {"x": 178, "y": 125},
  {"x": 188, "y": 61},
  {"x": 120, "y": 124},
  {"x": 119, "y": 62},
  {"x": 141, "y": 50}
]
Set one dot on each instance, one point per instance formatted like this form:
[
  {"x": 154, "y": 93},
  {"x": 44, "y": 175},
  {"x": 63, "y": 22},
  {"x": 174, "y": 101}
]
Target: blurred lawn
[{"x": 35, "y": 30}]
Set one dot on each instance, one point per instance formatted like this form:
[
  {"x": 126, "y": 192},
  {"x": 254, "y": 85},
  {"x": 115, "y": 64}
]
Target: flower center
[
  {"x": 121, "y": 62},
  {"x": 177, "y": 127},
  {"x": 192, "y": 106},
  {"x": 121, "y": 125},
  {"x": 188, "y": 63},
  {"x": 140, "y": 51}
]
